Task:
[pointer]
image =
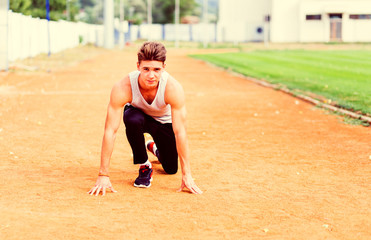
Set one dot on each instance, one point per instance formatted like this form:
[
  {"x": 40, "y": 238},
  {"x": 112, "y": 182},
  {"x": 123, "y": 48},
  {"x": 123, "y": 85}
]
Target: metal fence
[
  {"x": 28, "y": 37},
  {"x": 24, "y": 36},
  {"x": 169, "y": 32}
]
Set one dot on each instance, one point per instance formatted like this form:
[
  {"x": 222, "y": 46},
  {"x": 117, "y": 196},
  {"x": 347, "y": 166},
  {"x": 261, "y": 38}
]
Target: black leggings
[{"x": 137, "y": 123}]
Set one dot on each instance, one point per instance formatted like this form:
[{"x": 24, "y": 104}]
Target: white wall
[
  {"x": 151, "y": 31},
  {"x": 288, "y": 23},
  {"x": 187, "y": 32},
  {"x": 359, "y": 31},
  {"x": 28, "y": 37},
  {"x": 3, "y": 35},
  {"x": 239, "y": 19},
  {"x": 285, "y": 21}
]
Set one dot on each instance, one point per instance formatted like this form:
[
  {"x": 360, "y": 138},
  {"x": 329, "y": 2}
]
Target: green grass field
[{"x": 342, "y": 76}]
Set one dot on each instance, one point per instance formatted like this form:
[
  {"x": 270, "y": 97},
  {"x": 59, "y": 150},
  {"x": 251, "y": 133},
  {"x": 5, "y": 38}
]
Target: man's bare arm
[
  {"x": 175, "y": 98},
  {"x": 112, "y": 125},
  {"x": 119, "y": 97}
]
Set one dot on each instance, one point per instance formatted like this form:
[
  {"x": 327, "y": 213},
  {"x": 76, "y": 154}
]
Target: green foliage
[
  {"x": 342, "y": 76},
  {"x": 353, "y": 121},
  {"x": 22, "y": 6},
  {"x": 135, "y": 11},
  {"x": 163, "y": 10},
  {"x": 37, "y": 8},
  {"x": 87, "y": 3},
  {"x": 93, "y": 13}
]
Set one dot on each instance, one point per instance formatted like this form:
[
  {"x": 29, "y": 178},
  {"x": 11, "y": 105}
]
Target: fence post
[
  {"x": 149, "y": 19},
  {"x": 48, "y": 19},
  {"x": 4, "y": 6},
  {"x": 108, "y": 24},
  {"x": 177, "y": 7},
  {"x": 205, "y": 21},
  {"x": 163, "y": 32},
  {"x": 191, "y": 32}
]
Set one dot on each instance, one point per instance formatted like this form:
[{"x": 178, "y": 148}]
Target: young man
[{"x": 153, "y": 103}]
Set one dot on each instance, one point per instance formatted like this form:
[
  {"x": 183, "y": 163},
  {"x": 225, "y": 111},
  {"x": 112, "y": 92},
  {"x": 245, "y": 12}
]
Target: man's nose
[{"x": 151, "y": 74}]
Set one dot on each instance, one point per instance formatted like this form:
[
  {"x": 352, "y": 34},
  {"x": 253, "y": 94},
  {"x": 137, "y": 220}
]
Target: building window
[
  {"x": 360, "y": 16},
  {"x": 335, "y": 15},
  {"x": 314, "y": 17}
]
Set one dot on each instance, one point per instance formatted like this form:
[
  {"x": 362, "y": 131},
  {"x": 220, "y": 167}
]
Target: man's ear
[
  {"x": 164, "y": 65},
  {"x": 138, "y": 64}
]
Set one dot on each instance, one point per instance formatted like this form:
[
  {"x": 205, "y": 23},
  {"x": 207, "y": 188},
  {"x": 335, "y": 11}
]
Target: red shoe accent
[{"x": 150, "y": 147}]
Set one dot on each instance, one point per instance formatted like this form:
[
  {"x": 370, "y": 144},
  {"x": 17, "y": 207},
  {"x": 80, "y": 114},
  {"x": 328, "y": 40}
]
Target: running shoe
[{"x": 145, "y": 177}]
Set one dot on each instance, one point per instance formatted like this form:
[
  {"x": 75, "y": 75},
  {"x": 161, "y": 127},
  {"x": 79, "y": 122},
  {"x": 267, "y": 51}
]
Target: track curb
[{"x": 306, "y": 98}]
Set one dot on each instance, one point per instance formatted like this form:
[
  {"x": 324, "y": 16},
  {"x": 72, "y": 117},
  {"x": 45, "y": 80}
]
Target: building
[
  {"x": 242, "y": 20},
  {"x": 295, "y": 20}
]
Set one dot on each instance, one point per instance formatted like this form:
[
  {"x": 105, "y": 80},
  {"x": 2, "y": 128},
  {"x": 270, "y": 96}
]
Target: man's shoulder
[
  {"x": 134, "y": 74},
  {"x": 174, "y": 93},
  {"x": 173, "y": 84},
  {"x": 121, "y": 91},
  {"x": 123, "y": 85}
]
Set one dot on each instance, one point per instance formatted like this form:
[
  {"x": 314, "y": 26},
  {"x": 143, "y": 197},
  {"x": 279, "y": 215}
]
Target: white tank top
[{"x": 158, "y": 109}]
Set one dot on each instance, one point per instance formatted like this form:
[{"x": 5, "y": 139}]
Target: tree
[
  {"x": 22, "y": 6},
  {"x": 135, "y": 10},
  {"x": 37, "y": 8},
  {"x": 163, "y": 10},
  {"x": 92, "y": 10},
  {"x": 87, "y": 3}
]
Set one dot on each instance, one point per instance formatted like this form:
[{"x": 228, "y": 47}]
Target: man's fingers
[
  {"x": 197, "y": 189},
  {"x": 181, "y": 187},
  {"x": 91, "y": 192},
  {"x": 194, "y": 189},
  {"x": 98, "y": 190},
  {"x": 113, "y": 190}
]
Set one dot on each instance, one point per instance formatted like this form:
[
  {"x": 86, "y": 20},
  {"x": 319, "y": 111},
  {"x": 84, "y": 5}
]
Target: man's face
[{"x": 150, "y": 73}]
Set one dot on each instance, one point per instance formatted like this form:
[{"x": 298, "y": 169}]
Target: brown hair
[{"x": 152, "y": 51}]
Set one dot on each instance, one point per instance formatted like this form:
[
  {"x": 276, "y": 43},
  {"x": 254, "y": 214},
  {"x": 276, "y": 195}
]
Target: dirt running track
[{"x": 271, "y": 166}]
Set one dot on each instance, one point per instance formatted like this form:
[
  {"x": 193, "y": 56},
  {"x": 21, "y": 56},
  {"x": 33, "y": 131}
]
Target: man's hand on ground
[
  {"x": 187, "y": 182},
  {"x": 103, "y": 183}
]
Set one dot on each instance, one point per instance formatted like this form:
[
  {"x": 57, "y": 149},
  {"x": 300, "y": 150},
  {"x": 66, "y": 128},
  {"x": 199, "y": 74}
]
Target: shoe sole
[{"x": 144, "y": 186}]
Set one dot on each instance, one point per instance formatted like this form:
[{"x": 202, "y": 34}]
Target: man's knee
[
  {"x": 133, "y": 118},
  {"x": 171, "y": 170},
  {"x": 168, "y": 159}
]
